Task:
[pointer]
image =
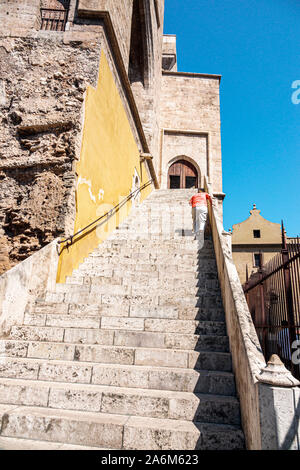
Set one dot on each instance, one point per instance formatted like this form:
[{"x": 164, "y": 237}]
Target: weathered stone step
[
  {"x": 117, "y": 431},
  {"x": 155, "y": 325},
  {"x": 131, "y": 376},
  {"x": 151, "y": 278},
  {"x": 181, "y": 260},
  {"x": 118, "y": 355},
  {"x": 123, "y": 242},
  {"x": 37, "y": 314},
  {"x": 154, "y": 434},
  {"x": 123, "y": 401},
  {"x": 180, "y": 288},
  {"x": 19, "y": 443},
  {"x": 118, "y": 247},
  {"x": 135, "y": 235},
  {"x": 121, "y": 338},
  {"x": 159, "y": 269},
  {"x": 121, "y": 299}
]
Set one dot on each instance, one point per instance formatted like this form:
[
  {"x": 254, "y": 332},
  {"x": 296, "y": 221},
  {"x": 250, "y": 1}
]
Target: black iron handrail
[{"x": 107, "y": 214}]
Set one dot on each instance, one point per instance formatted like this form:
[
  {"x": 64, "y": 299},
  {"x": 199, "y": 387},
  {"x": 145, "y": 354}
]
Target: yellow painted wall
[
  {"x": 244, "y": 245},
  {"x": 109, "y": 158},
  {"x": 242, "y": 233}
]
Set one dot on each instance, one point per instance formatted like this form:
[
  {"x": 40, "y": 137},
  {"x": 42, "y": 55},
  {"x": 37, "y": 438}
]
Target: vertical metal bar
[
  {"x": 263, "y": 314},
  {"x": 288, "y": 296}
]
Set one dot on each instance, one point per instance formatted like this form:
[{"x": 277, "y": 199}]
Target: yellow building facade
[{"x": 254, "y": 242}]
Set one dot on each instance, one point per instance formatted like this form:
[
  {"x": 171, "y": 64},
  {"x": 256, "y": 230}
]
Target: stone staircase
[{"x": 130, "y": 353}]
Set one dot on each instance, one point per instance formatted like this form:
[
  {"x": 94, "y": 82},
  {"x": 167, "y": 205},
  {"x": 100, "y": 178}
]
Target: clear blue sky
[{"x": 255, "y": 46}]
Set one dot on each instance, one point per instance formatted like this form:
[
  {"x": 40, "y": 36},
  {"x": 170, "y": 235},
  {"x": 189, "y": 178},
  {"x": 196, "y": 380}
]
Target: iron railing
[
  {"x": 70, "y": 240},
  {"x": 273, "y": 297},
  {"x": 54, "y": 20}
]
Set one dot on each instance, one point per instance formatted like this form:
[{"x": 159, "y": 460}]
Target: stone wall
[
  {"x": 244, "y": 256},
  {"x": 42, "y": 91},
  {"x": 147, "y": 94},
  {"x": 21, "y": 285},
  {"x": 190, "y": 105},
  {"x": 120, "y": 14},
  {"x": 19, "y": 17}
]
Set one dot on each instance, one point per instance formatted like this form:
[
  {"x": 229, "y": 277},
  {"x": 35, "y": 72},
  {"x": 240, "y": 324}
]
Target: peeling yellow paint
[{"x": 108, "y": 162}]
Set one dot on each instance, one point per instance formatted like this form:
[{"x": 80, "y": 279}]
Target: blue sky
[{"x": 255, "y": 46}]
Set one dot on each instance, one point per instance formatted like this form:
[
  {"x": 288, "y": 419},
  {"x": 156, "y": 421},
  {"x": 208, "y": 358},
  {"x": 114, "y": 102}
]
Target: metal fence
[
  {"x": 54, "y": 19},
  {"x": 273, "y": 297}
]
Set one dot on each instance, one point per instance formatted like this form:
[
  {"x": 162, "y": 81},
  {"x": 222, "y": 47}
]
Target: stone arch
[
  {"x": 55, "y": 4},
  {"x": 187, "y": 159}
]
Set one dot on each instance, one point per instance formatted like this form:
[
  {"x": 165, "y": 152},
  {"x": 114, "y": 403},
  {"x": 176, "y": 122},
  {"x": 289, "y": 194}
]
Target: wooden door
[{"x": 182, "y": 175}]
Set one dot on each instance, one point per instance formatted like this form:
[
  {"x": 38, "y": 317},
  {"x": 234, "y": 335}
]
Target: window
[
  {"x": 190, "y": 181},
  {"x": 258, "y": 260},
  {"x": 256, "y": 233},
  {"x": 136, "y": 72},
  {"x": 54, "y": 14},
  {"x": 174, "y": 182}
]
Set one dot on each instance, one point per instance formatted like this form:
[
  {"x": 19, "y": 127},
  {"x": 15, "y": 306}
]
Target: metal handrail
[{"x": 108, "y": 213}]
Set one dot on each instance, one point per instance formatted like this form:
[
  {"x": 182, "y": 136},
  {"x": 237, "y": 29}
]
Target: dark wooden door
[{"x": 182, "y": 175}]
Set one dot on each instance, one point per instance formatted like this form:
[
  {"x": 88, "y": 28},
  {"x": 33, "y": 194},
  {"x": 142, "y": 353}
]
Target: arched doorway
[{"x": 182, "y": 175}]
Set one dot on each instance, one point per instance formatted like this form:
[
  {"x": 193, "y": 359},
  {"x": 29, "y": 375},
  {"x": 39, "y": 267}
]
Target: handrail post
[
  {"x": 263, "y": 314},
  {"x": 288, "y": 298}
]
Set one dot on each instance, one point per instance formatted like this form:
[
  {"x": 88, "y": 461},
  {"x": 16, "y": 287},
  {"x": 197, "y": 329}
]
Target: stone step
[
  {"x": 19, "y": 443},
  {"x": 39, "y": 311},
  {"x": 131, "y": 323},
  {"x": 117, "y": 355},
  {"x": 122, "y": 270},
  {"x": 123, "y": 401},
  {"x": 122, "y": 246},
  {"x": 205, "y": 301},
  {"x": 176, "y": 244},
  {"x": 181, "y": 260},
  {"x": 121, "y": 338},
  {"x": 116, "y": 431},
  {"x": 144, "y": 235},
  {"x": 130, "y": 376},
  {"x": 179, "y": 288},
  {"x": 155, "y": 279}
]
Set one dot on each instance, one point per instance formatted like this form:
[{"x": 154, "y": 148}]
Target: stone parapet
[
  {"x": 21, "y": 285},
  {"x": 268, "y": 393}
]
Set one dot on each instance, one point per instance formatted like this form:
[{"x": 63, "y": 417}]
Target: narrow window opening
[
  {"x": 258, "y": 260},
  {"x": 174, "y": 182},
  {"x": 136, "y": 70},
  {"x": 190, "y": 182},
  {"x": 256, "y": 233}
]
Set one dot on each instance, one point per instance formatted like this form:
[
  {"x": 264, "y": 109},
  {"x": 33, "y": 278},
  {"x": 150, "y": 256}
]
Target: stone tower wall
[{"x": 190, "y": 121}]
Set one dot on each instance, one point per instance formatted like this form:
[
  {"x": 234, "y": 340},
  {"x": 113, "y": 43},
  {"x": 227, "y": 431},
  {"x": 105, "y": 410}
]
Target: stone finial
[
  {"x": 275, "y": 373},
  {"x": 255, "y": 210}
]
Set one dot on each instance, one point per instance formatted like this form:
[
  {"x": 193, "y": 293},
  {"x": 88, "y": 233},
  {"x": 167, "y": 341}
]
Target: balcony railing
[{"x": 54, "y": 20}]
